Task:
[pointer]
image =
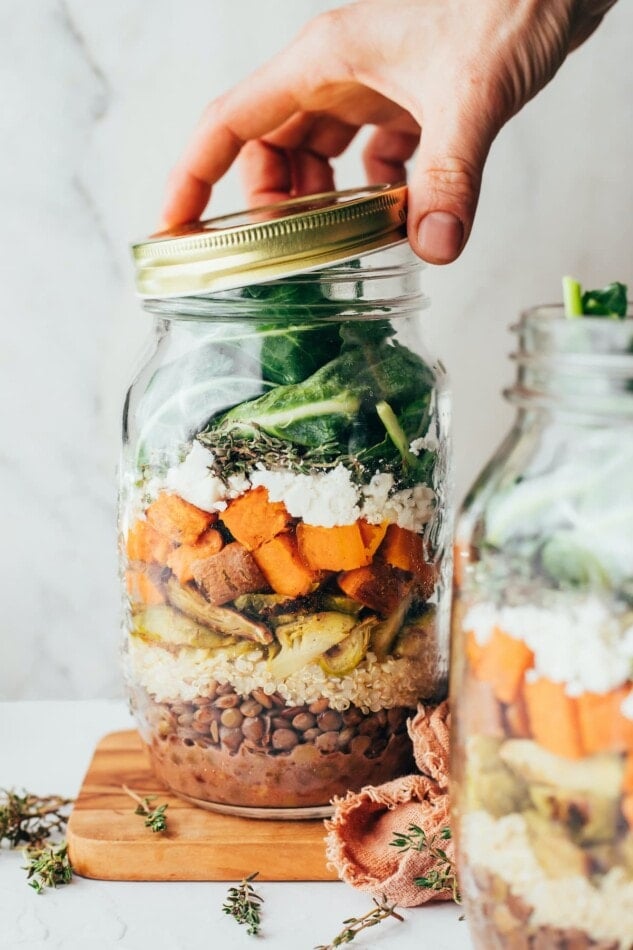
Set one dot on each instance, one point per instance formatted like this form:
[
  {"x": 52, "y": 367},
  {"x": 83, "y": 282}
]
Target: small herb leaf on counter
[
  {"x": 243, "y": 903},
  {"x": 353, "y": 925},
  {"x": 155, "y": 817},
  {"x": 48, "y": 867}
]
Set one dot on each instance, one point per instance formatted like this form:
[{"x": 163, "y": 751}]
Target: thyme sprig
[
  {"x": 443, "y": 877},
  {"x": 236, "y": 454},
  {"x": 243, "y": 903},
  {"x": 353, "y": 925},
  {"x": 155, "y": 818},
  {"x": 31, "y": 819},
  {"x": 48, "y": 867}
]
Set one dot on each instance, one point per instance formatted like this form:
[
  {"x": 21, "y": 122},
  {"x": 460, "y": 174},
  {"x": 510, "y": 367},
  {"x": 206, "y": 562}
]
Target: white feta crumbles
[
  {"x": 429, "y": 442},
  {"x": 578, "y": 643},
  {"x": 325, "y": 499},
  {"x": 194, "y": 481},
  {"x": 411, "y": 508}
]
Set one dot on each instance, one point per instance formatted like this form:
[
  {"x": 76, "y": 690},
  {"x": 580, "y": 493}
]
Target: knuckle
[
  {"x": 454, "y": 178},
  {"x": 213, "y": 111},
  {"x": 327, "y": 38}
]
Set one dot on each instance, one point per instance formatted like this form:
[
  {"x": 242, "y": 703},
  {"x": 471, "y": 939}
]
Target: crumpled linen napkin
[{"x": 360, "y": 832}]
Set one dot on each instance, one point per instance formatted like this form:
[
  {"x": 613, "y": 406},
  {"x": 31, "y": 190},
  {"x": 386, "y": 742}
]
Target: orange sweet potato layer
[
  {"x": 252, "y": 519},
  {"x": 142, "y": 589},
  {"x": 184, "y": 557},
  {"x": 144, "y": 543},
  {"x": 603, "y": 726},
  {"x": 178, "y": 520},
  {"x": 281, "y": 564},
  {"x": 503, "y": 663},
  {"x": 553, "y": 718},
  {"x": 332, "y": 549}
]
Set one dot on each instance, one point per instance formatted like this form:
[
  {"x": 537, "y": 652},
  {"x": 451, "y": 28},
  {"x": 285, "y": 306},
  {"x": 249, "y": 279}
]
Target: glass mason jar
[
  {"x": 283, "y": 522},
  {"x": 542, "y": 651}
]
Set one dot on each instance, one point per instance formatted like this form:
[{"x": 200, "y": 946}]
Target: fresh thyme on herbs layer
[{"x": 362, "y": 409}]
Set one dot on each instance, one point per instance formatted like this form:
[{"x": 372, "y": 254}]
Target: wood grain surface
[{"x": 109, "y": 842}]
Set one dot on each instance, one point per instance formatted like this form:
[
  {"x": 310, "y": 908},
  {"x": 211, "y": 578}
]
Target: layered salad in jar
[
  {"x": 543, "y": 667},
  {"x": 283, "y": 560}
]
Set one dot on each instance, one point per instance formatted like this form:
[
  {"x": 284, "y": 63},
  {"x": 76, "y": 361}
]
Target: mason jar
[
  {"x": 542, "y": 651},
  {"x": 284, "y": 528}
]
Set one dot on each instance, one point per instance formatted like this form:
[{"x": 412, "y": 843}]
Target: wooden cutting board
[{"x": 109, "y": 842}]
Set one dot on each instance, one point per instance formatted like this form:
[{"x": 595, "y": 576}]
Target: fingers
[
  {"x": 445, "y": 182},
  {"x": 294, "y": 159},
  {"x": 212, "y": 150},
  {"x": 272, "y": 174},
  {"x": 266, "y": 174},
  {"x": 254, "y": 108},
  {"x": 385, "y": 155}
]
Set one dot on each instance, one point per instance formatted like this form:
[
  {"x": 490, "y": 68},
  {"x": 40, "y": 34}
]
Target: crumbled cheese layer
[
  {"x": 189, "y": 673},
  {"x": 194, "y": 481},
  {"x": 327, "y": 499},
  {"x": 578, "y": 642},
  {"x": 502, "y": 847}
]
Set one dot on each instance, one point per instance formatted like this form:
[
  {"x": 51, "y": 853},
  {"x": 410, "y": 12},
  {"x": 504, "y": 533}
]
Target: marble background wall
[{"x": 96, "y": 100}]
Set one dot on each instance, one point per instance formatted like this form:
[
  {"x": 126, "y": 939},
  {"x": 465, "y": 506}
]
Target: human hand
[{"x": 444, "y": 75}]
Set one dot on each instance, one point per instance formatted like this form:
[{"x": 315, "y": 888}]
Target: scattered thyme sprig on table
[
  {"x": 354, "y": 925},
  {"x": 48, "y": 867},
  {"x": 155, "y": 818},
  {"x": 441, "y": 878},
  {"x": 30, "y": 819},
  {"x": 243, "y": 903}
]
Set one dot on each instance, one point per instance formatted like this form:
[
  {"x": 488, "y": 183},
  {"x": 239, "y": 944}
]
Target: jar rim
[
  {"x": 547, "y": 334},
  {"x": 382, "y": 283},
  {"x": 580, "y": 365}
]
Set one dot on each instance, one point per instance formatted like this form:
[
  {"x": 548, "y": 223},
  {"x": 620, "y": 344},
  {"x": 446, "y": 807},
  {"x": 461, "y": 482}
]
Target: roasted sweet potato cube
[
  {"x": 177, "y": 519},
  {"x": 252, "y": 519}
]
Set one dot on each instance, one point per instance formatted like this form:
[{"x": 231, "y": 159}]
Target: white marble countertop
[{"x": 46, "y": 748}]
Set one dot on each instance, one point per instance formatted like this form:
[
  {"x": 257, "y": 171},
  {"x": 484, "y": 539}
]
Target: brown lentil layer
[
  {"x": 500, "y": 920},
  {"x": 256, "y": 751}
]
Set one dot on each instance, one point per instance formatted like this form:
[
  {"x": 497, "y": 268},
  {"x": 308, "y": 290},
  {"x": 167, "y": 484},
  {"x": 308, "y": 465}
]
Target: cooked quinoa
[
  {"x": 502, "y": 846},
  {"x": 189, "y": 673}
]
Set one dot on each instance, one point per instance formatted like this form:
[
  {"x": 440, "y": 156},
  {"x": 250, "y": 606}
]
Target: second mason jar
[
  {"x": 283, "y": 524},
  {"x": 542, "y": 671}
]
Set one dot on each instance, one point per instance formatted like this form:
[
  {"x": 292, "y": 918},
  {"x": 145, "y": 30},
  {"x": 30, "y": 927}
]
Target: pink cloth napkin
[{"x": 364, "y": 823}]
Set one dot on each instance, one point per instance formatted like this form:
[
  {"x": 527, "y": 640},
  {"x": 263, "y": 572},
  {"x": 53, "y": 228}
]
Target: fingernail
[{"x": 440, "y": 237}]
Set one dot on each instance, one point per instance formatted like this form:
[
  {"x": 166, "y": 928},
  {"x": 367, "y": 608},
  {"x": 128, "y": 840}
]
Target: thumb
[{"x": 444, "y": 186}]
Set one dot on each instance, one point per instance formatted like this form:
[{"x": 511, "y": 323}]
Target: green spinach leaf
[
  {"x": 610, "y": 301},
  {"x": 339, "y": 398}
]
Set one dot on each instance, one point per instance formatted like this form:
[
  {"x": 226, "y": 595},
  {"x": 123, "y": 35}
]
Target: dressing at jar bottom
[{"x": 236, "y": 751}]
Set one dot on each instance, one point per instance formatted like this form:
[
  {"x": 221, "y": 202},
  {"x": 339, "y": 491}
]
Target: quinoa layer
[
  {"x": 601, "y": 911},
  {"x": 186, "y": 674}
]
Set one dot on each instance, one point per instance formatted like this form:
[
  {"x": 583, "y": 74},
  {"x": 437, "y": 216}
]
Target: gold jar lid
[{"x": 270, "y": 242}]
